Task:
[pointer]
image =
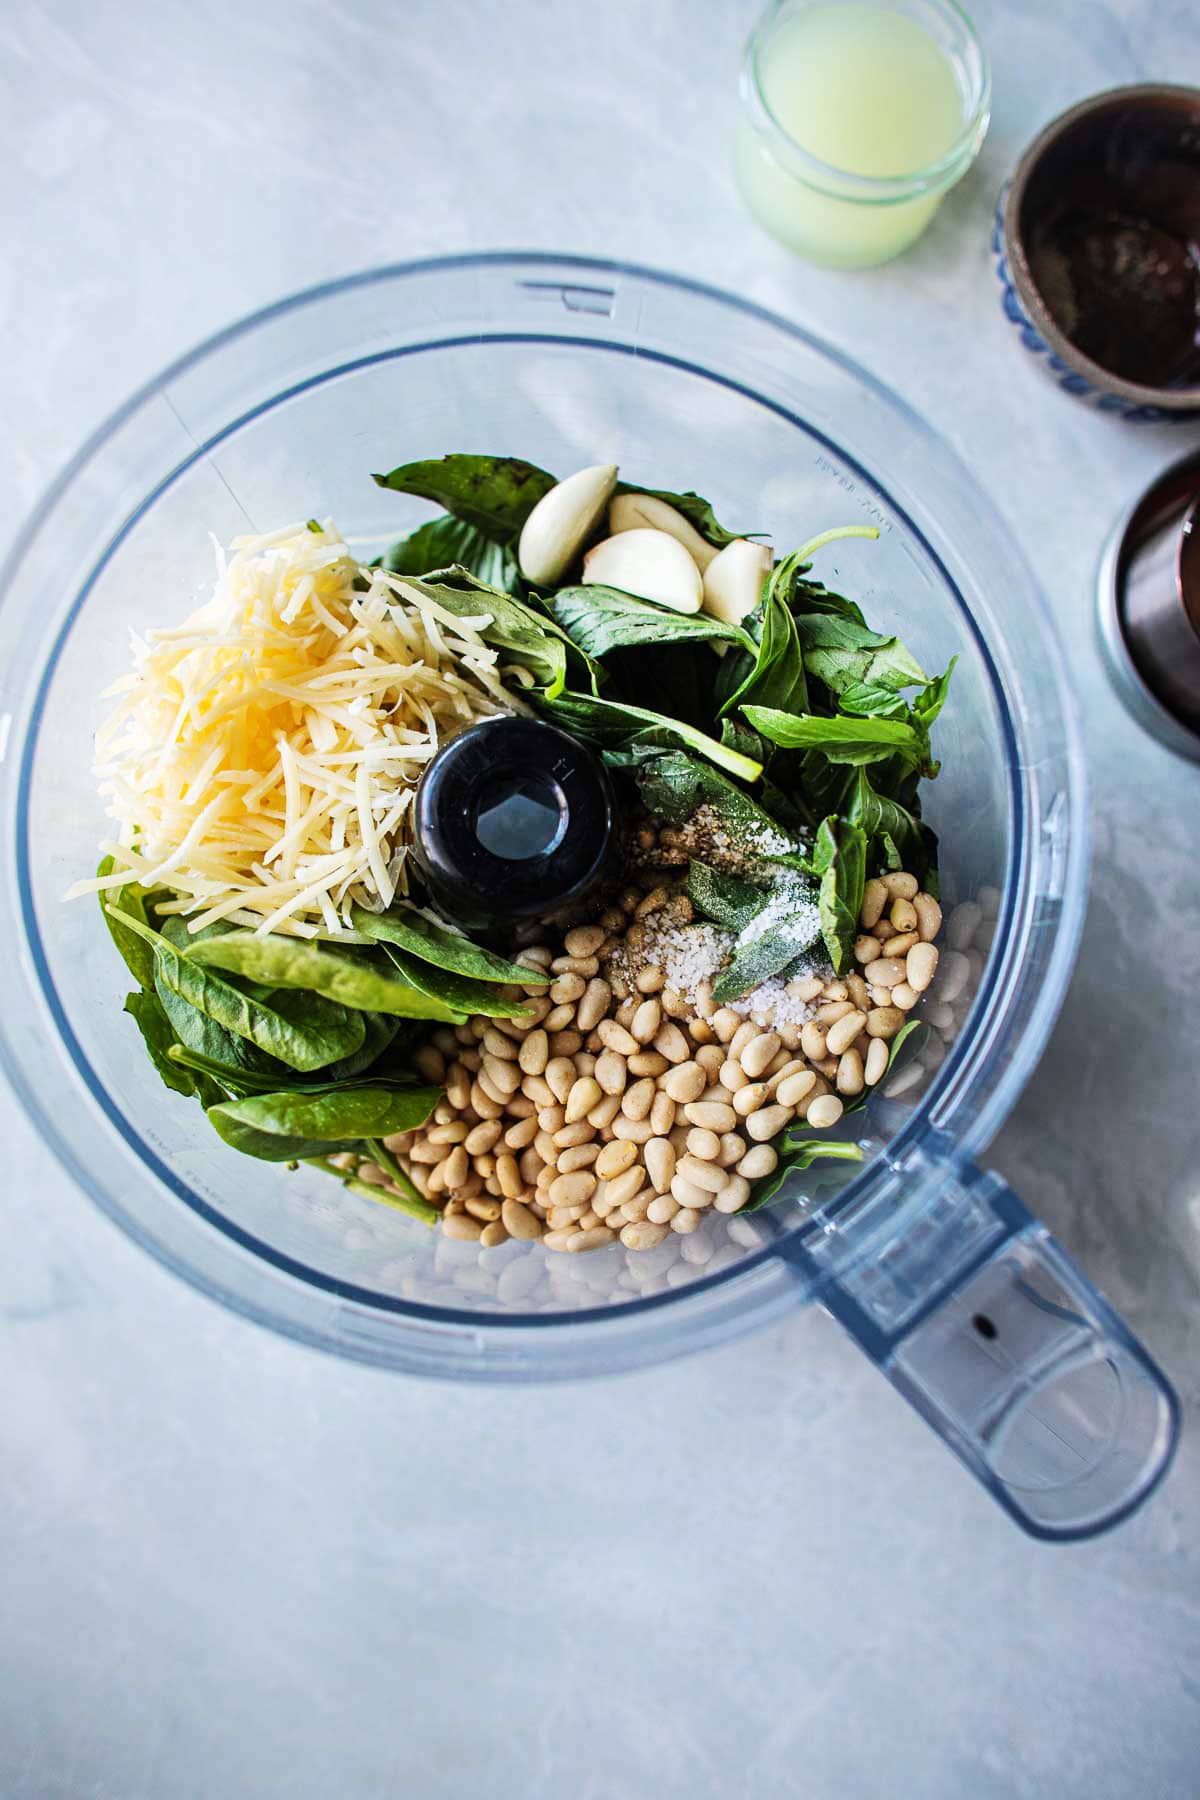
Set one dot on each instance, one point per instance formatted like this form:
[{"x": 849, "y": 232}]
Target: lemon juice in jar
[{"x": 856, "y": 120}]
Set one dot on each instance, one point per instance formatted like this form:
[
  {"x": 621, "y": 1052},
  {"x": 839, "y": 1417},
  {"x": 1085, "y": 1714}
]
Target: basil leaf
[
  {"x": 409, "y": 930},
  {"x": 279, "y": 962},
  {"x": 496, "y": 494},
  {"x": 288, "y": 1126},
  {"x": 602, "y": 619},
  {"x": 839, "y": 859},
  {"x": 842, "y": 653},
  {"x": 777, "y": 678},
  {"x": 930, "y": 701},
  {"x": 131, "y": 901},
  {"x": 673, "y": 786},
  {"x": 725, "y": 898},
  {"x": 872, "y": 700},
  {"x": 842, "y": 739},
  {"x": 146, "y": 1010},
  {"x": 459, "y": 991},
  {"x": 784, "y": 927},
  {"x": 446, "y": 542},
  {"x": 695, "y": 510},
  {"x": 536, "y": 642},
  {"x": 796, "y": 1154},
  {"x": 318, "y": 1036},
  {"x": 609, "y": 723},
  {"x": 897, "y": 838}
]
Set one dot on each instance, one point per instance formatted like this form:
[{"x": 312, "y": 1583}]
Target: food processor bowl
[{"x": 966, "y": 1304}]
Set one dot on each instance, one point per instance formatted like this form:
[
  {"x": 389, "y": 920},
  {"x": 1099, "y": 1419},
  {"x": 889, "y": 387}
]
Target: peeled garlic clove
[
  {"x": 733, "y": 580},
  {"x": 561, "y": 523},
  {"x": 632, "y": 512},
  {"x": 651, "y": 564}
]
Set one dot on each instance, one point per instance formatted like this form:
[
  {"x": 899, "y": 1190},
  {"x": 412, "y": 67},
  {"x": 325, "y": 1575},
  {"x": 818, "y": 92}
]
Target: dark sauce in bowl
[{"x": 1110, "y": 222}]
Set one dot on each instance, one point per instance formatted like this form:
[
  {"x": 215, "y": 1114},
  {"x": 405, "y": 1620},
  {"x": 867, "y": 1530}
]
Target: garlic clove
[
  {"x": 651, "y": 564},
  {"x": 562, "y": 521},
  {"x": 733, "y": 580},
  {"x": 633, "y": 512}
]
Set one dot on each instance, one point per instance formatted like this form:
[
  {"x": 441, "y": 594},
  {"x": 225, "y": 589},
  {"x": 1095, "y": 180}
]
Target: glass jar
[{"x": 896, "y": 93}]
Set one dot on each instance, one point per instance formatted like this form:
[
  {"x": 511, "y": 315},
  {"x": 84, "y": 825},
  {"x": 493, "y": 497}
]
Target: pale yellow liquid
[{"x": 868, "y": 92}]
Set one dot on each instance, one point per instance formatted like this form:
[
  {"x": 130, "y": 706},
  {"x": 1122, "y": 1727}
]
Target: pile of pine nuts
[{"x": 618, "y": 1108}]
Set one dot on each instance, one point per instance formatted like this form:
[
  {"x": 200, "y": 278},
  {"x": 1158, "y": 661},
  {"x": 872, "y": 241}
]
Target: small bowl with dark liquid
[{"x": 1097, "y": 246}]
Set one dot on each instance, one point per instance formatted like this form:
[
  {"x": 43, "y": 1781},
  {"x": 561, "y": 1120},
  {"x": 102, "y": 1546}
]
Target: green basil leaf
[
  {"x": 603, "y": 619},
  {"x": 841, "y": 739},
  {"x": 782, "y": 930},
  {"x": 275, "y": 1124},
  {"x": 459, "y": 991},
  {"x": 411, "y": 931},
  {"x": 349, "y": 981},
  {"x": 448, "y": 542},
  {"x": 695, "y": 510},
  {"x": 897, "y": 838},
  {"x": 871, "y": 700},
  {"x": 839, "y": 859},
  {"x": 673, "y": 786},
  {"x": 318, "y": 1035},
  {"x": 843, "y": 653},
  {"x": 609, "y": 723},
  {"x": 131, "y": 901},
  {"x": 147, "y": 1012},
  {"x": 777, "y": 678},
  {"x": 496, "y": 494},
  {"x": 724, "y": 898},
  {"x": 517, "y": 629},
  {"x": 930, "y": 701}
]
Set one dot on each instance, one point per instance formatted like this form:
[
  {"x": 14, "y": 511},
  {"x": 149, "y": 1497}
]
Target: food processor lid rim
[{"x": 881, "y": 1169}]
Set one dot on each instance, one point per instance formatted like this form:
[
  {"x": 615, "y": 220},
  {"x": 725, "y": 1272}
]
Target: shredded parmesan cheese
[{"x": 262, "y": 758}]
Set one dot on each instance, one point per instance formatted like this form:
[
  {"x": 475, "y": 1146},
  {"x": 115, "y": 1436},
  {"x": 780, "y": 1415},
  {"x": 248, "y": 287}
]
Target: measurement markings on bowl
[{"x": 850, "y": 486}]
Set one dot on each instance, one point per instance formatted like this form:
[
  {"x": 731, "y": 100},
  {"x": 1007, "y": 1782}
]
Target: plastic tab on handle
[{"x": 1020, "y": 1364}]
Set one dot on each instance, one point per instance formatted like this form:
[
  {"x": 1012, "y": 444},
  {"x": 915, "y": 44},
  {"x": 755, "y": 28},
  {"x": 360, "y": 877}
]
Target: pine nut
[
  {"x": 929, "y": 917},
  {"x": 701, "y": 1174},
  {"x": 521, "y": 1135},
  {"x": 638, "y": 1099},
  {"x": 675, "y": 1005},
  {"x": 954, "y": 971},
  {"x": 615, "y": 1158},
  {"x": 733, "y": 1195},
  {"x": 560, "y": 1077},
  {"x": 558, "y": 1018},
  {"x": 624, "y": 1186},
  {"x": 876, "y": 1063},
  {"x": 825, "y": 1111},
  {"x": 611, "y": 1072},
  {"x": 713, "y": 1114},
  {"x": 843, "y": 1032},
  {"x": 768, "y": 1122},
  {"x": 496, "y": 1044},
  {"x": 573, "y": 1190},
  {"x": 649, "y": 980},
  {"x": 643, "y": 1235},
  {"x": 857, "y": 989},
  {"x": 536, "y": 957},
  {"x": 850, "y": 1073},
  {"x": 904, "y": 996},
  {"x": 670, "y": 1042},
  {"x": 903, "y": 915},
  {"x": 795, "y": 1088},
  {"x": 632, "y": 1131},
  {"x": 530, "y": 1165},
  {"x": 538, "y": 1089},
  {"x": 900, "y": 946},
  {"x": 921, "y": 966},
  {"x": 492, "y": 1234},
  {"x": 662, "y": 1113},
  {"x": 577, "y": 1156},
  {"x": 591, "y": 1240},
  {"x": 888, "y": 972},
  {"x": 505, "y": 1077},
  {"x": 452, "y": 1133},
  {"x": 832, "y": 1011},
  {"x": 545, "y": 1146},
  {"x": 703, "y": 1144},
  {"x": 690, "y": 1193},
  {"x": 646, "y": 1021},
  {"x": 732, "y": 1075},
  {"x": 875, "y": 897},
  {"x": 758, "y": 1161},
  {"x": 615, "y": 1037},
  {"x": 866, "y": 949},
  {"x": 749, "y": 1098},
  {"x": 430, "y": 1063},
  {"x": 424, "y": 1152},
  {"x": 558, "y": 1239},
  {"x": 584, "y": 940},
  {"x": 565, "y": 1043},
  {"x": 551, "y": 1118},
  {"x": 461, "y": 1225},
  {"x": 604, "y": 1111},
  {"x": 487, "y": 1211},
  {"x": 653, "y": 902},
  {"x": 685, "y": 1082},
  {"x": 567, "y": 989},
  {"x": 597, "y": 997},
  {"x": 509, "y": 1176},
  {"x": 733, "y": 1148},
  {"x": 900, "y": 885},
  {"x": 484, "y": 1104},
  {"x": 746, "y": 1032},
  {"x": 812, "y": 1042},
  {"x": 662, "y": 1210},
  {"x": 578, "y": 1132},
  {"x": 725, "y": 1022},
  {"x": 458, "y": 1087},
  {"x": 585, "y": 1093},
  {"x": 758, "y": 1053},
  {"x": 686, "y": 1220},
  {"x": 659, "y": 1157}
]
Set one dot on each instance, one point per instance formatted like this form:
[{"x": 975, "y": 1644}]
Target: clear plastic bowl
[{"x": 935, "y": 1268}]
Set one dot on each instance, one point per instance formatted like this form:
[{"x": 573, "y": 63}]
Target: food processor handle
[{"x": 985, "y": 1325}]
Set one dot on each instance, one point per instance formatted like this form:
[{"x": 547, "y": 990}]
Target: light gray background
[{"x": 231, "y": 1567}]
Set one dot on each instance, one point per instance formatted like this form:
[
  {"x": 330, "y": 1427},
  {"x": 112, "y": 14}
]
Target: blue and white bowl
[{"x": 1123, "y": 113}]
